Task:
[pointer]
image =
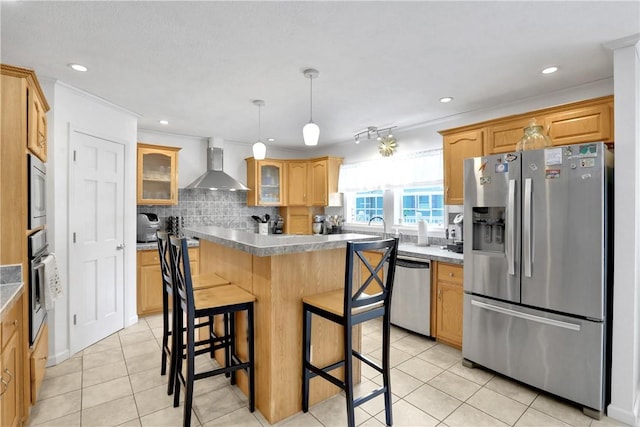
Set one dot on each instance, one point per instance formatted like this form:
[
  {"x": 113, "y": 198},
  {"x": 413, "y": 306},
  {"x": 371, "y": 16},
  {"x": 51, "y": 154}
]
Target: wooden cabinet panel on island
[
  {"x": 157, "y": 175},
  {"x": 149, "y": 278},
  {"x": 456, "y": 148},
  {"x": 449, "y": 298},
  {"x": 265, "y": 179}
]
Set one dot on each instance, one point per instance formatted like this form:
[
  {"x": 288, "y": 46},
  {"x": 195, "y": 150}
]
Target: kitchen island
[{"x": 279, "y": 270}]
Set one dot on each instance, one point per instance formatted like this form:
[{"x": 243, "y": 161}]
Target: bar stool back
[
  {"x": 226, "y": 300},
  {"x": 359, "y": 302}
]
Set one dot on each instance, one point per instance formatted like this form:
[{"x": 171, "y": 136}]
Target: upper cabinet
[
  {"x": 265, "y": 179},
  {"x": 311, "y": 182},
  {"x": 300, "y": 182},
  {"x": 157, "y": 175},
  {"x": 456, "y": 148},
  {"x": 297, "y": 185},
  {"x": 323, "y": 180},
  {"x": 37, "y": 133},
  {"x": 579, "y": 122}
]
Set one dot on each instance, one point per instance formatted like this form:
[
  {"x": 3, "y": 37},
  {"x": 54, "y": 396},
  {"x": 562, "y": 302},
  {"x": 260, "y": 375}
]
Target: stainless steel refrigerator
[{"x": 538, "y": 269}]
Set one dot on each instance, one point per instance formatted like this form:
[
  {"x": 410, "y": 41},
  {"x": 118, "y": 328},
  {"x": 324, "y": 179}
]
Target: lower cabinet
[
  {"x": 149, "y": 294},
  {"x": 38, "y": 361},
  {"x": 11, "y": 366},
  {"x": 449, "y": 300}
]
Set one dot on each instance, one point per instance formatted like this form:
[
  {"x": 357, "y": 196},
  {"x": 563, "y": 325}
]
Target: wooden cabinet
[
  {"x": 575, "y": 123},
  {"x": 265, "y": 179},
  {"x": 456, "y": 148},
  {"x": 38, "y": 362},
  {"x": 449, "y": 298},
  {"x": 149, "y": 279},
  {"x": 23, "y": 129},
  {"x": 503, "y": 137},
  {"x": 11, "y": 372},
  {"x": 297, "y": 184},
  {"x": 157, "y": 175},
  {"x": 323, "y": 180},
  {"x": 37, "y": 138},
  {"x": 298, "y": 219}
]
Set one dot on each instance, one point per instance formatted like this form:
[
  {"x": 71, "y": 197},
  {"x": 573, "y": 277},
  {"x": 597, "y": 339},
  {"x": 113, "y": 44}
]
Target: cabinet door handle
[
  {"x": 450, "y": 274},
  {"x": 440, "y": 294}
]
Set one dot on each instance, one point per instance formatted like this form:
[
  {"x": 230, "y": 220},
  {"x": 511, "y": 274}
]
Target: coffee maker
[{"x": 455, "y": 233}]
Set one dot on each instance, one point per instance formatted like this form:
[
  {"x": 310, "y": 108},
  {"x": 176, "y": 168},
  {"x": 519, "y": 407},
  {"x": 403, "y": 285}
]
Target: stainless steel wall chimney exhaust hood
[{"x": 214, "y": 178}]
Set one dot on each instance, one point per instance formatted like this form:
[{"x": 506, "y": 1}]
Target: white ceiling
[{"x": 384, "y": 63}]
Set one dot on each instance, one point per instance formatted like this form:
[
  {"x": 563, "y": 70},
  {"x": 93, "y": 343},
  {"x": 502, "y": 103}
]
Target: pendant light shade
[
  {"x": 259, "y": 149},
  {"x": 311, "y": 131}
]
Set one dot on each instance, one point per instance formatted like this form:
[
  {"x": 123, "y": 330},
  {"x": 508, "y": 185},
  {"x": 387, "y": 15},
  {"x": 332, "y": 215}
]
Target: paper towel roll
[{"x": 423, "y": 238}]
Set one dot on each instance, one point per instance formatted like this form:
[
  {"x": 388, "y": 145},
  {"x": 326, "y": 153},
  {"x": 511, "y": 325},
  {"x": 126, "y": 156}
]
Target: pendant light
[
  {"x": 259, "y": 149},
  {"x": 311, "y": 131}
]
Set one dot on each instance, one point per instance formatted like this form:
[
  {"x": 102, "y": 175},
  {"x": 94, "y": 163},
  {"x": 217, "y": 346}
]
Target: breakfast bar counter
[{"x": 279, "y": 270}]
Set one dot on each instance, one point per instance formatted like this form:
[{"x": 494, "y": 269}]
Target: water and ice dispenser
[{"x": 488, "y": 229}]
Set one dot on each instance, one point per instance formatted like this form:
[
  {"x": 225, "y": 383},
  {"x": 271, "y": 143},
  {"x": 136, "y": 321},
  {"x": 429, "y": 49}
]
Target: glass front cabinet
[
  {"x": 265, "y": 179},
  {"x": 157, "y": 175}
]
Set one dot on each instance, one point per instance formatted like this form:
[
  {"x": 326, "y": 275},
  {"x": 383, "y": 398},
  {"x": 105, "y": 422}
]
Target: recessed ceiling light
[
  {"x": 271, "y": 139},
  {"x": 446, "y": 99},
  {"x": 78, "y": 67},
  {"x": 164, "y": 122},
  {"x": 549, "y": 70}
]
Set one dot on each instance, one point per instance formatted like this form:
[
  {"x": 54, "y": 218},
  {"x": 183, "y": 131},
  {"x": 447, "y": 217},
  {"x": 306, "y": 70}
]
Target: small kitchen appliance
[
  {"x": 148, "y": 224},
  {"x": 278, "y": 225},
  {"x": 456, "y": 235},
  {"x": 318, "y": 224}
]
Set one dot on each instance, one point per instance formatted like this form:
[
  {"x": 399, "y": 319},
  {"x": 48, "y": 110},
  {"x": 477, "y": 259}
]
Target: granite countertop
[
  {"x": 147, "y": 246},
  {"x": 11, "y": 286},
  {"x": 433, "y": 253},
  {"x": 271, "y": 244}
]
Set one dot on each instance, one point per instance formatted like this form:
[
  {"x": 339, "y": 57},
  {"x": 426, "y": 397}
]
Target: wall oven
[
  {"x": 38, "y": 251},
  {"x": 37, "y": 192}
]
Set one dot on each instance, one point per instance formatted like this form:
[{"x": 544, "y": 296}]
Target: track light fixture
[
  {"x": 387, "y": 144},
  {"x": 372, "y": 131}
]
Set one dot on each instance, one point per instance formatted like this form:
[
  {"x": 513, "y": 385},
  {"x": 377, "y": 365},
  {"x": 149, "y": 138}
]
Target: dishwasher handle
[{"x": 412, "y": 263}]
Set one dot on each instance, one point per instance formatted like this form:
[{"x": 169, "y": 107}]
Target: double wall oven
[{"x": 38, "y": 248}]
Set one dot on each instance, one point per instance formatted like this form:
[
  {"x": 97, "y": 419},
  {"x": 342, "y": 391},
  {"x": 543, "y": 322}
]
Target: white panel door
[{"x": 96, "y": 225}]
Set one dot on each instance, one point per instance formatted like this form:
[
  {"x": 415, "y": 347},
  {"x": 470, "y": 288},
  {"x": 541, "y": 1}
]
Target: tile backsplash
[{"x": 205, "y": 207}]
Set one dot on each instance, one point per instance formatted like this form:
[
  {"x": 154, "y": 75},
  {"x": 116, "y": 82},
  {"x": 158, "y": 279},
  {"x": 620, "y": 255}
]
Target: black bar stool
[
  {"x": 226, "y": 300},
  {"x": 168, "y": 326},
  {"x": 367, "y": 300}
]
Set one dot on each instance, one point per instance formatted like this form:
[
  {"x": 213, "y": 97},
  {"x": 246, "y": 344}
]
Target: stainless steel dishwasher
[{"x": 411, "y": 297}]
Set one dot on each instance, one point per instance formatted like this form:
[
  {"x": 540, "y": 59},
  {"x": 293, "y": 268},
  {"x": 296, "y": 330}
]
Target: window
[
  {"x": 403, "y": 190},
  {"x": 418, "y": 203},
  {"x": 362, "y": 206}
]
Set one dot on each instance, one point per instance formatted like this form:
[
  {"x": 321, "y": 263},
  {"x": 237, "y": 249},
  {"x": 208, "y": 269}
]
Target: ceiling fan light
[
  {"x": 259, "y": 150},
  {"x": 311, "y": 134}
]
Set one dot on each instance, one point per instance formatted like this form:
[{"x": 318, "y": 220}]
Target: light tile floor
[{"x": 117, "y": 382}]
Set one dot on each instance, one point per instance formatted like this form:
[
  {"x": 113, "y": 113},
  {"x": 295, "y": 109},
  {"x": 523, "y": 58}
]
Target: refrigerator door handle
[
  {"x": 526, "y": 316},
  {"x": 511, "y": 216},
  {"x": 526, "y": 228}
]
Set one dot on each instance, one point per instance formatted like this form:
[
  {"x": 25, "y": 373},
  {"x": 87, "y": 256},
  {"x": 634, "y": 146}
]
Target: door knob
[{"x": 120, "y": 246}]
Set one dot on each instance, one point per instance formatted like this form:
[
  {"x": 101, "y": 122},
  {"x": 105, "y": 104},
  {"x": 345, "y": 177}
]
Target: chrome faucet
[{"x": 384, "y": 225}]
